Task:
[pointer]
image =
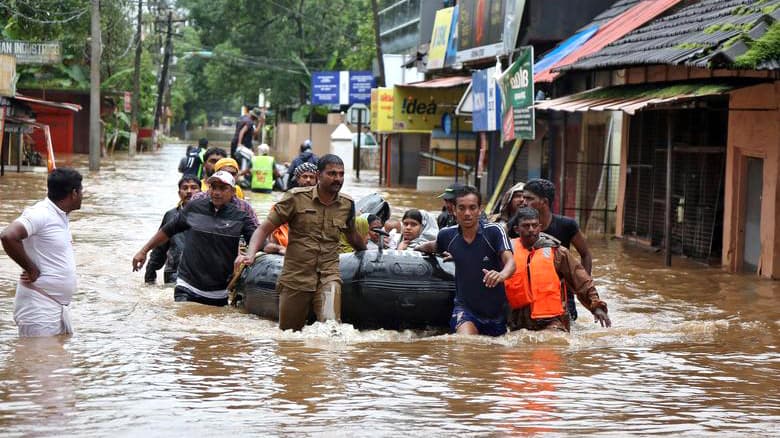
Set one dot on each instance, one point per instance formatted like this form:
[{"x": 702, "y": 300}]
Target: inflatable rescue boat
[{"x": 385, "y": 289}]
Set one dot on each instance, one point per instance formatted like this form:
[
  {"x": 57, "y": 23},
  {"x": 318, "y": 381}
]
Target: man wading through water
[
  {"x": 215, "y": 227},
  {"x": 39, "y": 241},
  {"x": 310, "y": 279}
]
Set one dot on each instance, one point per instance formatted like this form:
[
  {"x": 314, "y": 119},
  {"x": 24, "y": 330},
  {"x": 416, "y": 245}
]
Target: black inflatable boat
[{"x": 382, "y": 289}]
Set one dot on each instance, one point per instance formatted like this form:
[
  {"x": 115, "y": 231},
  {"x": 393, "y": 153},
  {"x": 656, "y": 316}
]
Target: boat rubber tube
[{"x": 388, "y": 289}]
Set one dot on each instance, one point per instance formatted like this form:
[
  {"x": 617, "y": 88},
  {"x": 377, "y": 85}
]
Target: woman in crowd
[{"x": 418, "y": 227}]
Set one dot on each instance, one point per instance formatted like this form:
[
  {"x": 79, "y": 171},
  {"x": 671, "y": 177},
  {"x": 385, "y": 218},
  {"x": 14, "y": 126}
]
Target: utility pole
[
  {"x": 136, "y": 82},
  {"x": 380, "y": 61},
  {"x": 94, "y": 90},
  {"x": 163, "y": 74}
]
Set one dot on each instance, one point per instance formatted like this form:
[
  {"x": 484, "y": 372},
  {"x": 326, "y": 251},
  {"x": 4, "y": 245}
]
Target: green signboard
[{"x": 517, "y": 97}]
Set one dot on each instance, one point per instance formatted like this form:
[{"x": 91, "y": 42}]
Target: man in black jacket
[
  {"x": 215, "y": 229},
  {"x": 169, "y": 253}
]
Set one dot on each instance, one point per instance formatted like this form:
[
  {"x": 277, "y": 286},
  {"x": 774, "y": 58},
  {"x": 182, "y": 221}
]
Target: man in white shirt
[{"x": 40, "y": 242}]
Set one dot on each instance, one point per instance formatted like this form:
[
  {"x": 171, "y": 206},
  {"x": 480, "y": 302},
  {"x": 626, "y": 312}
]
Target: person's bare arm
[
  {"x": 258, "y": 238},
  {"x": 241, "y": 133},
  {"x": 492, "y": 278},
  {"x": 354, "y": 239},
  {"x": 427, "y": 247},
  {"x": 12, "y": 237},
  {"x": 581, "y": 245},
  {"x": 140, "y": 258}
]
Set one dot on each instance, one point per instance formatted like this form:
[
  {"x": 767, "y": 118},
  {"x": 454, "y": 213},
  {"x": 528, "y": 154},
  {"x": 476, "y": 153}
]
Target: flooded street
[{"x": 693, "y": 350}]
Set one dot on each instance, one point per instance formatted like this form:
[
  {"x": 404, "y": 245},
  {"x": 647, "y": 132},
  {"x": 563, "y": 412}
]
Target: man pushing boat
[{"x": 310, "y": 279}]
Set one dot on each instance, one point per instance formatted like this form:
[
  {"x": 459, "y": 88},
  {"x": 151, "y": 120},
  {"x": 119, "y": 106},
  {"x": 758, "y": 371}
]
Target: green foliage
[
  {"x": 766, "y": 48},
  {"x": 248, "y": 45}
]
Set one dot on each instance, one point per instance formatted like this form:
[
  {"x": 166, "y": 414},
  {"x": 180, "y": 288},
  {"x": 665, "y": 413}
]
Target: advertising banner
[
  {"x": 382, "y": 110},
  {"x": 487, "y": 28},
  {"x": 440, "y": 38},
  {"x": 420, "y": 110},
  {"x": 517, "y": 97},
  {"x": 486, "y": 113}
]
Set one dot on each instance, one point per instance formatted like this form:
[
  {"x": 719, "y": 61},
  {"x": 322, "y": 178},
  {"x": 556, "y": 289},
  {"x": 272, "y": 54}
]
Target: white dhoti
[{"x": 37, "y": 313}]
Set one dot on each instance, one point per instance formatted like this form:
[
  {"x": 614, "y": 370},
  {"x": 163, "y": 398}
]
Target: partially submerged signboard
[
  {"x": 487, "y": 28},
  {"x": 517, "y": 97},
  {"x": 27, "y": 52}
]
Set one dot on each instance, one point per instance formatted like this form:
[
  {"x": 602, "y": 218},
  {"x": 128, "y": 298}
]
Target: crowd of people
[{"x": 513, "y": 269}]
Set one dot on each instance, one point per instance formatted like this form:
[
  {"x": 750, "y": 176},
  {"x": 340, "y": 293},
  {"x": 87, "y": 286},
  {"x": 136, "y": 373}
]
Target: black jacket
[
  {"x": 168, "y": 254},
  {"x": 211, "y": 245}
]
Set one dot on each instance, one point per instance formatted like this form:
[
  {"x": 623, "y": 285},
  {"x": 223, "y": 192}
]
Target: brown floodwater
[{"x": 693, "y": 350}]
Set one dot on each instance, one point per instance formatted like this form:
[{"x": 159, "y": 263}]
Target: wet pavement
[{"x": 693, "y": 350}]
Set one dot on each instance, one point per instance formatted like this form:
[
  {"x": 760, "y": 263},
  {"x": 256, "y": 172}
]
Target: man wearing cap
[
  {"x": 306, "y": 156},
  {"x": 447, "y": 216},
  {"x": 245, "y": 129},
  {"x": 306, "y": 174},
  {"x": 168, "y": 254},
  {"x": 230, "y": 166},
  {"x": 226, "y": 165},
  {"x": 215, "y": 227},
  {"x": 310, "y": 279}
]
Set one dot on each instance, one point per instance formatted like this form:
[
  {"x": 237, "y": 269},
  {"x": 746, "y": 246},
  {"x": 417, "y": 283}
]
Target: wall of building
[
  {"x": 753, "y": 131},
  {"x": 289, "y": 136}
]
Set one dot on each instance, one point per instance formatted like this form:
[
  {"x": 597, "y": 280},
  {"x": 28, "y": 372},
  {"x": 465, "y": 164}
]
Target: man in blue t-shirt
[{"x": 483, "y": 260}]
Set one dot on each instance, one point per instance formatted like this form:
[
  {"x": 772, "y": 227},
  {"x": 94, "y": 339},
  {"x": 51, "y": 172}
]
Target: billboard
[
  {"x": 487, "y": 28},
  {"x": 420, "y": 110},
  {"x": 439, "y": 38},
  {"x": 341, "y": 87},
  {"x": 382, "y": 110}
]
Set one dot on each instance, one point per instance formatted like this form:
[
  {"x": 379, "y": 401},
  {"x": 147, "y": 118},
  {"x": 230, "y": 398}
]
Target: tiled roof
[
  {"x": 616, "y": 9},
  {"x": 709, "y": 33},
  {"x": 612, "y": 30}
]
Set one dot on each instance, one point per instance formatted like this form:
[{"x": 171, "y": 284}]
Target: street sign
[
  {"x": 341, "y": 87},
  {"x": 325, "y": 88},
  {"x": 27, "y": 52},
  {"x": 517, "y": 94},
  {"x": 358, "y": 110}
]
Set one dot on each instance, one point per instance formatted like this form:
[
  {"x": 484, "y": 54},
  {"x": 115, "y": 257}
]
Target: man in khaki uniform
[{"x": 317, "y": 216}]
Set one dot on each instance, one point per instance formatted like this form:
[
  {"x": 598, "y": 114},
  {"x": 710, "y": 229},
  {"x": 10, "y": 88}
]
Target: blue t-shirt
[{"x": 470, "y": 258}]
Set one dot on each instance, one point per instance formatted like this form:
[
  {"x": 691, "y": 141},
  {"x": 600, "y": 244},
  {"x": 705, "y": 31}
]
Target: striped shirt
[{"x": 470, "y": 258}]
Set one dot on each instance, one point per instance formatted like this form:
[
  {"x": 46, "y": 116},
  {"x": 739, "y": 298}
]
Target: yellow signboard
[
  {"x": 7, "y": 75},
  {"x": 439, "y": 38},
  {"x": 421, "y": 109},
  {"x": 382, "y": 109}
]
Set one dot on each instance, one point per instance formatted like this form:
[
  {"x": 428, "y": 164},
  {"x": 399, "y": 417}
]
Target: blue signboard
[
  {"x": 341, "y": 87},
  {"x": 325, "y": 88},
  {"x": 486, "y": 115},
  {"x": 360, "y": 85}
]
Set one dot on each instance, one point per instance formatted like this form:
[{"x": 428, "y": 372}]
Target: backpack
[{"x": 191, "y": 163}]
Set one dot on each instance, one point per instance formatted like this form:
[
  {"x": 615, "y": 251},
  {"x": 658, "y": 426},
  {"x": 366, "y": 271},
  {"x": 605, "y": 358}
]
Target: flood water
[{"x": 693, "y": 350}]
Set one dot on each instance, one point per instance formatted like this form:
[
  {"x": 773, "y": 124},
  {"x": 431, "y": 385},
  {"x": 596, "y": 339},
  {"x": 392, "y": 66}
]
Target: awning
[
  {"x": 632, "y": 98},
  {"x": 466, "y": 105},
  {"x": 563, "y": 50},
  {"x": 448, "y": 82},
  {"x": 618, "y": 27},
  {"x": 61, "y": 105}
]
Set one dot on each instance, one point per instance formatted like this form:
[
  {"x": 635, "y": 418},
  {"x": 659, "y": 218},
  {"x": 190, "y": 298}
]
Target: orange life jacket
[
  {"x": 535, "y": 282},
  {"x": 516, "y": 286},
  {"x": 281, "y": 234}
]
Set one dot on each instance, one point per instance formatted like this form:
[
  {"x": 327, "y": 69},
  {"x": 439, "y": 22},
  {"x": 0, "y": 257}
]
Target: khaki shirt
[{"x": 313, "y": 251}]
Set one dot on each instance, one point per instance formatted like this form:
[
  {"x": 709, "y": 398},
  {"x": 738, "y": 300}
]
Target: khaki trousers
[{"x": 295, "y": 305}]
